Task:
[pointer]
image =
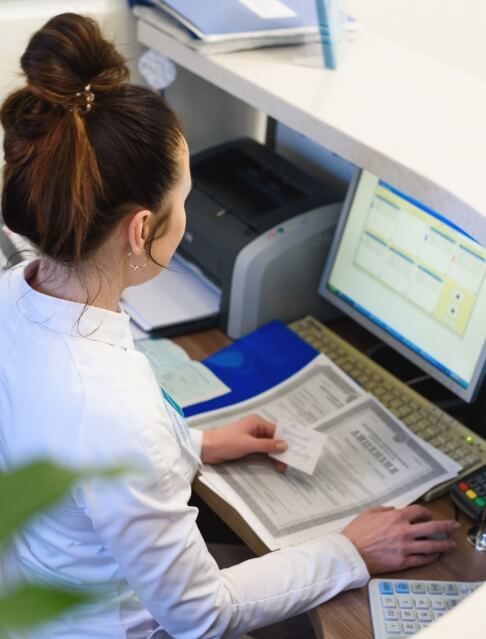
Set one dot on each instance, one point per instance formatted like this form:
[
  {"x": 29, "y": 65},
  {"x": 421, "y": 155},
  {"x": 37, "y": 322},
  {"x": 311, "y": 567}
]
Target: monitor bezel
[{"x": 467, "y": 394}]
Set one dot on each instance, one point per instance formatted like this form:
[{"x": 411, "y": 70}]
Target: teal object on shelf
[{"x": 329, "y": 18}]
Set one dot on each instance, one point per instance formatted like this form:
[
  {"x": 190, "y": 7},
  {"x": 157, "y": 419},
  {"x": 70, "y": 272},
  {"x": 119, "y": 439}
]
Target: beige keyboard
[{"x": 422, "y": 417}]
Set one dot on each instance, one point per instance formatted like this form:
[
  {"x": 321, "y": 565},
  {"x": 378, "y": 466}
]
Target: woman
[{"x": 96, "y": 175}]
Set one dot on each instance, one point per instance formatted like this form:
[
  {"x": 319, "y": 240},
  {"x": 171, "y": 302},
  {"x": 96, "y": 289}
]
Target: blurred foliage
[{"x": 25, "y": 492}]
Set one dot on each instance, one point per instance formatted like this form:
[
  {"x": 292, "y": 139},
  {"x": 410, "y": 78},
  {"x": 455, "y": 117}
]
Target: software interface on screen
[{"x": 412, "y": 273}]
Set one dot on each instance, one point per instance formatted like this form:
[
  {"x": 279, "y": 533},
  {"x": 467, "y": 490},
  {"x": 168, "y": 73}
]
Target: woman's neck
[{"x": 87, "y": 284}]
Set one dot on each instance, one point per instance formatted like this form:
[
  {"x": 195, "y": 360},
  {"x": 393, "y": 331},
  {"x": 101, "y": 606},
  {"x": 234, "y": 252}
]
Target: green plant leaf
[
  {"x": 29, "y": 489},
  {"x": 31, "y": 605}
]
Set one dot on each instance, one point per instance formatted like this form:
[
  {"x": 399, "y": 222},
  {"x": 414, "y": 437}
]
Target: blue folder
[
  {"x": 255, "y": 363},
  {"x": 218, "y": 18}
]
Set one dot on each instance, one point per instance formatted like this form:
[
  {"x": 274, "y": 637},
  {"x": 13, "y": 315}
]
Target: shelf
[{"x": 414, "y": 121}]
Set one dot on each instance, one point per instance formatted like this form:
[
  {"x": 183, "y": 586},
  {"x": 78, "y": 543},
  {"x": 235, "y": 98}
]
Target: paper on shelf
[
  {"x": 179, "y": 294},
  {"x": 304, "y": 446},
  {"x": 370, "y": 458}
]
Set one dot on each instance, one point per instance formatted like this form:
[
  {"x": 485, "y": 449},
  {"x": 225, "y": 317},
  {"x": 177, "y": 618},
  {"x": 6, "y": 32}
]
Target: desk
[{"x": 347, "y": 615}]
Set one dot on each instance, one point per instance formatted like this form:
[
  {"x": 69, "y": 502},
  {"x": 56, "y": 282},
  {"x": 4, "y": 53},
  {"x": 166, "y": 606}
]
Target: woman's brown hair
[{"x": 74, "y": 166}]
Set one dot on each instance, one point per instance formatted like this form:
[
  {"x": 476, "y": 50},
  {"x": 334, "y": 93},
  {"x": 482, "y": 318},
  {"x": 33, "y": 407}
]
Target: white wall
[
  {"x": 211, "y": 116},
  {"x": 20, "y": 18}
]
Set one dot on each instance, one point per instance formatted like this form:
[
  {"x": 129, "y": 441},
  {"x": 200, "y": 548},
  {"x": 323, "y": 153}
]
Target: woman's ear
[{"x": 137, "y": 230}]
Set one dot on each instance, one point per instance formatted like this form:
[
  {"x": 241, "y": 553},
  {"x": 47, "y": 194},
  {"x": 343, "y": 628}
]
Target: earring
[{"x": 136, "y": 267}]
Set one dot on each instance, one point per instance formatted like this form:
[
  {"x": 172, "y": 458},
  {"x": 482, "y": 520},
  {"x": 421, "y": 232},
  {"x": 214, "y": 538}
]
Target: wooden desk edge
[
  {"x": 230, "y": 517},
  {"x": 347, "y": 615}
]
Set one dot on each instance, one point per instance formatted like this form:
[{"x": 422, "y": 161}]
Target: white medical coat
[{"x": 74, "y": 389}]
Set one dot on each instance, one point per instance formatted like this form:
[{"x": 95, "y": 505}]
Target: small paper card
[{"x": 304, "y": 446}]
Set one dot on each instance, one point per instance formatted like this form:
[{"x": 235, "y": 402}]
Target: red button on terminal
[{"x": 463, "y": 486}]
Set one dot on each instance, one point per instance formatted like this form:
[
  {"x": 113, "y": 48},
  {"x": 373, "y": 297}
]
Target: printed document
[
  {"x": 187, "y": 381},
  {"x": 370, "y": 458}
]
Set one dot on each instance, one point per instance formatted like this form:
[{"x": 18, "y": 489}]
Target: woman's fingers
[
  {"x": 268, "y": 445},
  {"x": 433, "y": 528},
  {"x": 431, "y": 546},
  {"x": 415, "y": 513},
  {"x": 258, "y": 426}
]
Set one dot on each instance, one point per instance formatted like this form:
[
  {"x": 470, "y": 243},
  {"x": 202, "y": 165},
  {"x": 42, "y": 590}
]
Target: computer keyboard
[
  {"x": 422, "y": 417},
  {"x": 401, "y": 607}
]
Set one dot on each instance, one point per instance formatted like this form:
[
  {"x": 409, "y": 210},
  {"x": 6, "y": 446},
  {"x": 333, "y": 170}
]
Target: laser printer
[{"x": 259, "y": 228}]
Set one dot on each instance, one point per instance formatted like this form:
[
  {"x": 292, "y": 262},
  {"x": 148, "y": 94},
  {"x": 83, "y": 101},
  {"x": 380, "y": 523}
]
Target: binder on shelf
[
  {"x": 255, "y": 363},
  {"x": 215, "y": 27}
]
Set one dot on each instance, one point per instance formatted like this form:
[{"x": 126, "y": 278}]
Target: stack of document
[
  {"x": 370, "y": 458},
  {"x": 179, "y": 299},
  {"x": 213, "y": 26}
]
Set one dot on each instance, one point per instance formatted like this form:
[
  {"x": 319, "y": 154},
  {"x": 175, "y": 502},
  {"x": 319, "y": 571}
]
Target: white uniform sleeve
[
  {"x": 151, "y": 532},
  {"x": 196, "y": 437}
]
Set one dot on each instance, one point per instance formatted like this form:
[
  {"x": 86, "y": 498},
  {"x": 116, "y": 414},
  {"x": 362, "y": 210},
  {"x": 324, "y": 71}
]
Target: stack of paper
[
  {"x": 213, "y": 26},
  {"x": 370, "y": 458},
  {"x": 178, "y": 296}
]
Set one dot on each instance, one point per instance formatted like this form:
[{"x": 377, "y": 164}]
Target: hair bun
[{"x": 68, "y": 53}]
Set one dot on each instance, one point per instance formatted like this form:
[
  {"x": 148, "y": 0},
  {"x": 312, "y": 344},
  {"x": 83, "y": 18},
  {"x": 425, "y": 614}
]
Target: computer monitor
[{"x": 412, "y": 278}]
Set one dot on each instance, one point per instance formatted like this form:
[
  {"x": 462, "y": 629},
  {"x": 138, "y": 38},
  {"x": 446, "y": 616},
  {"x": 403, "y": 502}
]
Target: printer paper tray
[{"x": 179, "y": 299}]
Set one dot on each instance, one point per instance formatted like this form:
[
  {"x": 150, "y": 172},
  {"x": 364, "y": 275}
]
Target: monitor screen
[{"x": 414, "y": 279}]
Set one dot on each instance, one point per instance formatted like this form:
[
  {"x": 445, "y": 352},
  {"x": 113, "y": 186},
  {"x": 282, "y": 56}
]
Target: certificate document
[{"x": 370, "y": 458}]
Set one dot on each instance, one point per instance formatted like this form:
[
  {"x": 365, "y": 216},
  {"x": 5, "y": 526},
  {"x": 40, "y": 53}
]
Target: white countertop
[{"x": 406, "y": 114}]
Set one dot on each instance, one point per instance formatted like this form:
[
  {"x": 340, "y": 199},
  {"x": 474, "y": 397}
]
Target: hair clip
[
  {"x": 89, "y": 98},
  {"x": 88, "y": 95}
]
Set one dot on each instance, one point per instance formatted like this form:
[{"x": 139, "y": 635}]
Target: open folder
[{"x": 179, "y": 299}]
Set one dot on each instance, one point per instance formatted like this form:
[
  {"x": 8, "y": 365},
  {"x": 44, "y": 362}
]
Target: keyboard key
[
  {"x": 402, "y": 587},
  {"x": 424, "y": 615},
  {"x": 390, "y": 614},
  {"x": 451, "y": 589},
  {"x": 453, "y": 602},
  {"x": 393, "y": 627},
  {"x": 435, "y": 589},
  {"x": 386, "y": 588},
  {"x": 421, "y": 603},
  {"x": 388, "y": 602},
  {"x": 405, "y": 602},
  {"x": 419, "y": 588},
  {"x": 407, "y": 615},
  {"x": 438, "y": 603},
  {"x": 410, "y": 627}
]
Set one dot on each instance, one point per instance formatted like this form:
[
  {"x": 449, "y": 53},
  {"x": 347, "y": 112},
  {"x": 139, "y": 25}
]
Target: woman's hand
[
  {"x": 252, "y": 434},
  {"x": 392, "y": 539}
]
